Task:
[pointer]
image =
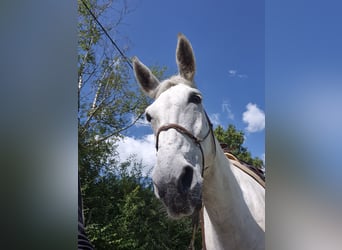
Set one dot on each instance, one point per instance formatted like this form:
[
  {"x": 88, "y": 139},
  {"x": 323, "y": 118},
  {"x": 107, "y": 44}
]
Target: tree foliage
[
  {"x": 120, "y": 209},
  {"x": 123, "y": 213},
  {"x": 109, "y": 101},
  {"x": 234, "y": 140}
]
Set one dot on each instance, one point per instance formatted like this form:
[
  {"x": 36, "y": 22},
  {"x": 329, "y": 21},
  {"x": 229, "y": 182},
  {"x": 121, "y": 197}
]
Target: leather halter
[{"x": 186, "y": 132}]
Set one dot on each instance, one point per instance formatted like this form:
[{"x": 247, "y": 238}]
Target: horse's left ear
[{"x": 185, "y": 58}]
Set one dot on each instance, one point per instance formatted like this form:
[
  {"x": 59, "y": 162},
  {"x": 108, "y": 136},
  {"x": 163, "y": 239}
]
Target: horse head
[{"x": 181, "y": 127}]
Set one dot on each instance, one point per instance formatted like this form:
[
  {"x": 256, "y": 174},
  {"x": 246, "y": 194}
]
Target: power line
[{"x": 109, "y": 37}]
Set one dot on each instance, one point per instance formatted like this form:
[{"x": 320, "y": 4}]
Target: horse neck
[
  {"x": 220, "y": 188},
  {"x": 227, "y": 218}
]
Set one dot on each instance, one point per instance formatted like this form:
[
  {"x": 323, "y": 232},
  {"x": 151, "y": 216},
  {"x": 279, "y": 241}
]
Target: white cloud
[
  {"x": 254, "y": 117},
  {"x": 242, "y": 76},
  {"x": 215, "y": 119},
  {"x": 232, "y": 72},
  {"x": 226, "y": 109},
  {"x": 142, "y": 148}
]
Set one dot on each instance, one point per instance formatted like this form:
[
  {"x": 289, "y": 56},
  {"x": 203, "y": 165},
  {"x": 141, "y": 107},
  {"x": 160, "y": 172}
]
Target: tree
[
  {"x": 109, "y": 102},
  {"x": 121, "y": 211},
  {"x": 126, "y": 215},
  {"x": 234, "y": 140}
]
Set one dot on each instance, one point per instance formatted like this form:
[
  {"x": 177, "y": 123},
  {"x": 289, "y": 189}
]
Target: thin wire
[{"x": 109, "y": 37}]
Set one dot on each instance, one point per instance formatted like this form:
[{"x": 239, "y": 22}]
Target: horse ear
[
  {"x": 185, "y": 58},
  {"x": 148, "y": 82}
]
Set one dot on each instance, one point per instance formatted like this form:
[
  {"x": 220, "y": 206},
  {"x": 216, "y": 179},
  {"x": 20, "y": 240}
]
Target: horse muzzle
[{"x": 181, "y": 196}]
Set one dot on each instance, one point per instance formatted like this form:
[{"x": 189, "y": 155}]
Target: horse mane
[{"x": 170, "y": 82}]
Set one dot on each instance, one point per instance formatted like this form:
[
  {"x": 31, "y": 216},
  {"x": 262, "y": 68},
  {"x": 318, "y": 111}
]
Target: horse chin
[
  {"x": 178, "y": 215},
  {"x": 183, "y": 209},
  {"x": 179, "y": 204}
]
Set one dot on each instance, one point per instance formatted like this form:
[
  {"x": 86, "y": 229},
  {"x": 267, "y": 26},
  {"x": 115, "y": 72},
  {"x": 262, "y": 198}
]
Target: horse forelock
[{"x": 170, "y": 82}]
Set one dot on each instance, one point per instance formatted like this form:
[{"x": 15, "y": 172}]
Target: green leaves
[
  {"x": 123, "y": 213},
  {"x": 234, "y": 140}
]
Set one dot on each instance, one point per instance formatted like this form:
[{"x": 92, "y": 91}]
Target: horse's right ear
[{"x": 148, "y": 82}]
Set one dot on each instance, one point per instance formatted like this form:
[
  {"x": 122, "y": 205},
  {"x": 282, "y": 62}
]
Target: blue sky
[{"x": 228, "y": 41}]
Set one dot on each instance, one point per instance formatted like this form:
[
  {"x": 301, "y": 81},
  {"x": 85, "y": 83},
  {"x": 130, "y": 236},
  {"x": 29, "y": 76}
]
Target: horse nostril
[
  {"x": 185, "y": 180},
  {"x": 161, "y": 193}
]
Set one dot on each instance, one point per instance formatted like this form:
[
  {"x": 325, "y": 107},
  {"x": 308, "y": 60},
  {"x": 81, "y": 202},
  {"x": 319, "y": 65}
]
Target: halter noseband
[{"x": 186, "y": 132}]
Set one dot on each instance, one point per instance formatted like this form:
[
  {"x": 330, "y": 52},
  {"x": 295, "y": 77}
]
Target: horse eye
[
  {"x": 195, "y": 98},
  {"x": 148, "y": 117}
]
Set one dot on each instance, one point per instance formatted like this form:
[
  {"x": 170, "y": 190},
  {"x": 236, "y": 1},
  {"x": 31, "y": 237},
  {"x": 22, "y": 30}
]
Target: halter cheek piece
[{"x": 184, "y": 131}]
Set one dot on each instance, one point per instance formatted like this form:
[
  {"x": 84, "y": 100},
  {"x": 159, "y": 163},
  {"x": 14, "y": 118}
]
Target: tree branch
[{"x": 120, "y": 130}]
